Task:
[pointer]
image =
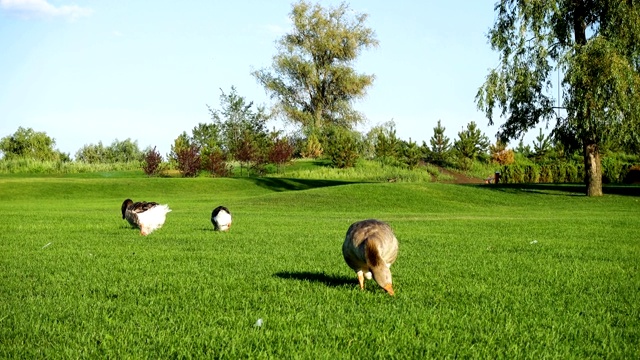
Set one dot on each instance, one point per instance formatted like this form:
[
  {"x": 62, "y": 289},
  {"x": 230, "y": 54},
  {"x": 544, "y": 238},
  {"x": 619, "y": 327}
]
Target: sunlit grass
[
  {"x": 365, "y": 170},
  {"x": 483, "y": 271}
]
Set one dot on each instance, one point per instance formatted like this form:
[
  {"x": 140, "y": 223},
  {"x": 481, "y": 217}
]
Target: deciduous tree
[
  {"x": 595, "y": 45},
  {"x": 241, "y": 126},
  {"x": 313, "y": 80},
  {"x": 30, "y": 144}
]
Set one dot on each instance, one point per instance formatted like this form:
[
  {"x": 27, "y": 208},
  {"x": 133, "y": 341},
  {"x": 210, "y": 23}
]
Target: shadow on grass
[
  {"x": 329, "y": 280},
  {"x": 562, "y": 189},
  {"x": 288, "y": 184}
]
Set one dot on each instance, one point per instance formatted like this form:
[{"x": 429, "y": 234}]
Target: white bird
[
  {"x": 148, "y": 216},
  {"x": 369, "y": 248},
  {"x": 221, "y": 218}
]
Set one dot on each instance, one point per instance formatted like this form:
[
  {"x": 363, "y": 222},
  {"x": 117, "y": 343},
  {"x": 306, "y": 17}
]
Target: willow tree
[
  {"x": 595, "y": 45},
  {"x": 313, "y": 79}
]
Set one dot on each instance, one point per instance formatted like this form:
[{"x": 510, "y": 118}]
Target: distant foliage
[
  {"x": 471, "y": 144},
  {"x": 152, "y": 162},
  {"x": 247, "y": 153},
  {"x": 500, "y": 154},
  {"x": 188, "y": 160},
  {"x": 239, "y": 124},
  {"x": 411, "y": 154},
  {"x": 529, "y": 172},
  {"x": 386, "y": 144},
  {"x": 207, "y": 138},
  {"x": 542, "y": 149},
  {"x": 312, "y": 147},
  {"x": 440, "y": 150},
  {"x": 217, "y": 164},
  {"x": 30, "y": 144},
  {"x": 180, "y": 144},
  {"x": 342, "y": 147},
  {"x": 312, "y": 78},
  {"x": 118, "y": 152},
  {"x": 281, "y": 152}
]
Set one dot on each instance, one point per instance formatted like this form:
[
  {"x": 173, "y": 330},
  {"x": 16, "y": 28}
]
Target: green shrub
[
  {"x": 614, "y": 169},
  {"x": 512, "y": 174},
  {"x": 546, "y": 174},
  {"x": 559, "y": 173},
  {"x": 342, "y": 147},
  {"x": 531, "y": 173}
]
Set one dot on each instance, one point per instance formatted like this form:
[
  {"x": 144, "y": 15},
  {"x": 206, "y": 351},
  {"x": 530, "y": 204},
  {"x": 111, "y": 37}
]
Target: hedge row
[
  {"x": 561, "y": 172},
  {"x": 613, "y": 172}
]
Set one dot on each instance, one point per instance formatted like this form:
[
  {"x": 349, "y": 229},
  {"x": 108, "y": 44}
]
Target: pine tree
[
  {"x": 440, "y": 145},
  {"x": 471, "y": 143}
]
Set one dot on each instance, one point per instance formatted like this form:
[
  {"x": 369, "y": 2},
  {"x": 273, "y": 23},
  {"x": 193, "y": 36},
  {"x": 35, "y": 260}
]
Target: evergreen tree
[
  {"x": 541, "y": 148},
  {"x": 440, "y": 145},
  {"x": 411, "y": 154},
  {"x": 471, "y": 143},
  {"x": 523, "y": 150}
]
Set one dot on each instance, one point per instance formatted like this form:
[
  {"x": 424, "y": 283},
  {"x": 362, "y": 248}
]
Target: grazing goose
[
  {"x": 148, "y": 216},
  {"x": 369, "y": 249},
  {"x": 221, "y": 218}
]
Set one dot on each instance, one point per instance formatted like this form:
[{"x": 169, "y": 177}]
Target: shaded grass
[{"x": 482, "y": 273}]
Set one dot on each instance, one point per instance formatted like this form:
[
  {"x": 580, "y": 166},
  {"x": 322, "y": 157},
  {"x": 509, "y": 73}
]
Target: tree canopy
[
  {"x": 313, "y": 78},
  {"x": 595, "y": 45},
  {"x": 30, "y": 144}
]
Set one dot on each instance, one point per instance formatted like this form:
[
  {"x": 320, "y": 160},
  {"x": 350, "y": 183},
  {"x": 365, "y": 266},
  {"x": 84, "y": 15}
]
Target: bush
[
  {"x": 217, "y": 164},
  {"x": 312, "y": 148},
  {"x": 573, "y": 173},
  {"x": 188, "y": 159},
  {"x": 281, "y": 152},
  {"x": 512, "y": 174},
  {"x": 531, "y": 173},
  {"x": 613, "y": 170},
  {"x": 546, "y": 174},
  {"x": 152, "y": 161},
  {"x": 342, "y": 148}
]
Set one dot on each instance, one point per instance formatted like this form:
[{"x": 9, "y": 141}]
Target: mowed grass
[{"x": 483, "y": 272}]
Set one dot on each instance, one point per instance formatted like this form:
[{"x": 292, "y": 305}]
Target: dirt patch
[{"x": 459, "y": 178}]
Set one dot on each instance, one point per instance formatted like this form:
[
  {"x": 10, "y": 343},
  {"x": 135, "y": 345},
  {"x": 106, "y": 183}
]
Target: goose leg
[{"x": 361, "y": 279}]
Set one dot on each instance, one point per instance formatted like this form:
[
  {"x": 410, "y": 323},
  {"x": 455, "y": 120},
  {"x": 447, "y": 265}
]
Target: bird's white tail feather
[{"x": 154, "y": 218}]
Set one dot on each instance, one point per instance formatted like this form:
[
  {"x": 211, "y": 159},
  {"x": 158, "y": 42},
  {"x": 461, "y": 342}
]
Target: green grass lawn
[{"x": 482, "y": 272}]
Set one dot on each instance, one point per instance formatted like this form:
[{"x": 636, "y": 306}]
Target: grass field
[{"x": 483, "y": 271}]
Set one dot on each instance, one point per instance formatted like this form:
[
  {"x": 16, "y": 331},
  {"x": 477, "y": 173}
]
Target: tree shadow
[
  {"x": 321, "y": 277},
  {"x": 289, "y": 184},
  {"x": 561, "y": 189}
]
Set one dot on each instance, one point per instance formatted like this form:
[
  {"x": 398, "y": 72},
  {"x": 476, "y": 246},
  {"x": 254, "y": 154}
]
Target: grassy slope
[{"x": 482, "y": 272}]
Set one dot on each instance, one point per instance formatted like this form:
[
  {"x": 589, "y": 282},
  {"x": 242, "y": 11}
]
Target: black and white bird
[
  {"x": 148, "y": 216},
  {"x": 369, "y": 248},
  {"x": 221, "y": 218}
]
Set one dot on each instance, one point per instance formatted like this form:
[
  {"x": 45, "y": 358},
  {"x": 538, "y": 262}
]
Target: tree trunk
[{"x": 592, "y": 169}]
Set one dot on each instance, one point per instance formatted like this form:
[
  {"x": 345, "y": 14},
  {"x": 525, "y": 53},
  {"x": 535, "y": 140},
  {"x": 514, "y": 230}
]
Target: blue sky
[{"x": 86, "y": 71}]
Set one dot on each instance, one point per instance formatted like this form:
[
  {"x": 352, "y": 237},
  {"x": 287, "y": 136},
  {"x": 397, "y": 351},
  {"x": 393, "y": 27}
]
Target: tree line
[{"x": 313, "y": 83}]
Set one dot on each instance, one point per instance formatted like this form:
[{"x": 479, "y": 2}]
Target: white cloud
[{"x": 42, "y": 8}]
